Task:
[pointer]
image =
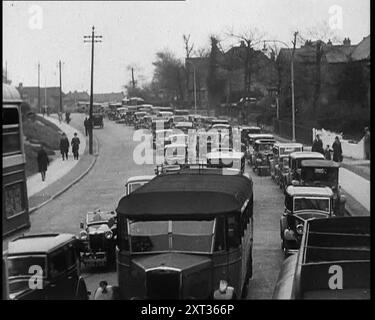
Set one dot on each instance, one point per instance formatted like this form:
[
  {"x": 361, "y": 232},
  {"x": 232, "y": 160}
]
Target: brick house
[
  {"x": 330, "y": 72},
  {"x": 49, "y": 96}
]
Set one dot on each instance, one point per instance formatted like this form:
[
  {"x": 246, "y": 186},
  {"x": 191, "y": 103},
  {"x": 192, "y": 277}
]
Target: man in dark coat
[
  {"x": 64, "y": 146},
  {"x": 86, "y": 124},
  {"x": 327, "y": 153},
  {"x": 75, "y": 146},
  {"x": 43, "y": 162},
  {"x": 337, "y": 150},
  {"x": 318, "y": 145}
]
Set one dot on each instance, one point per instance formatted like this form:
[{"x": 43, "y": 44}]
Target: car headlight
[
  {"x": 83, "y": 235},
  {"x": 299, "y": 229},
  {"x": 108, "y": 235}
]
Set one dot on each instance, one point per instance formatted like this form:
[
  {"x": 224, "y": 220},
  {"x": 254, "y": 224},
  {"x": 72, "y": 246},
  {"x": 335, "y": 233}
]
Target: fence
[{"x": 284, "y": 129}]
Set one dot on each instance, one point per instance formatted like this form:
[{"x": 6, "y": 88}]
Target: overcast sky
[{"x": 134, "y": 31}]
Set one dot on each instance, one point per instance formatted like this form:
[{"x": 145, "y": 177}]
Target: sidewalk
[
  {"x": 61, "y": 175},
  {"x": 57, "y": 168}
]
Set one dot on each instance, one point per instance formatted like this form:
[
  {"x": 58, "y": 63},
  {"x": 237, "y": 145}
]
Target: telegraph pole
[
  {"x": 133, "y": 81},
  {"x": 93, "y": 38},
  {"x": 60, "y": 88},
  {"x": 40, "y": 110},
  {"x": 292, "y": 86}
]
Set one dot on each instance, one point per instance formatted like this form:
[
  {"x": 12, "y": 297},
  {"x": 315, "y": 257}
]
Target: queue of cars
[{"x": 187, "y": 231}]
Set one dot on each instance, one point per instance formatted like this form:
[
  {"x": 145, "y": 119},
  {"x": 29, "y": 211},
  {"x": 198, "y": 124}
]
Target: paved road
[{"x": 104, "y": 185}]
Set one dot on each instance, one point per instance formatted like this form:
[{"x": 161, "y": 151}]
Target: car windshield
[
  {"x": 311, "y": 203},
  {"x": 288, "y": 150},
  {"x": 265, "y": 147},
  {"x": 179, "y": 119},
  {"x": 134, "y": 186},
  {"x": 98, "y": 228},
  {"x": 189, "y": 236},
  {"x": 25, "y": 265}
]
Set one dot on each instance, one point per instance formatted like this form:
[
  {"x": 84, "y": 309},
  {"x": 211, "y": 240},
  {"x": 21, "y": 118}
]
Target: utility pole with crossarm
[{"x": 93, "y": 38}]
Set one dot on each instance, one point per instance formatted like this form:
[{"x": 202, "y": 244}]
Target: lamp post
[
  {"x": 291, "y": 80},
  {"x": 195, "y": 88}
]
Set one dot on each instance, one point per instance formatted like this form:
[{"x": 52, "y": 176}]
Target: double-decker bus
[{"x": 15, "y": 202}]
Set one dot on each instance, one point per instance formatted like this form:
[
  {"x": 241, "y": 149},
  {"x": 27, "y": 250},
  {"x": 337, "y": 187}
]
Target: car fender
[{"x": 283, "y": 225}]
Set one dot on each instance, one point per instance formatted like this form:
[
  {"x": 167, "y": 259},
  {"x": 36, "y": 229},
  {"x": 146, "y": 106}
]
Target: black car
[
  {"x": 45, "y": 267},
  {"x": 98, "y": 238},
  {"x": 97, "y": 120}
]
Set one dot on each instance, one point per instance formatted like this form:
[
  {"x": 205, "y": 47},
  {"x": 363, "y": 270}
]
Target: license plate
[{"x": 96, "y": 260}]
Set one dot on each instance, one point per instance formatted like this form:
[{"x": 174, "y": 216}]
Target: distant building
[
  {"x": 108, "y": 97},
  {"x": 72, "y": 98},
  {"x": 49, "y": 96}
]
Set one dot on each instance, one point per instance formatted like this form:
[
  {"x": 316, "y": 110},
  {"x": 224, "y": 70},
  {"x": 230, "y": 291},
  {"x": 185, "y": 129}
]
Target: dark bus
[
  {"x": 333, "y": 261},
  {"x": 15, "y": 201},
  {"x": 183, "y": 235}
]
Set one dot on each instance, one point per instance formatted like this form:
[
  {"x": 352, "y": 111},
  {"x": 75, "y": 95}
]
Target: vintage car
[
  {"x": 246, "y": 130},
  {"x": 134, "y": 183},
  {"x": 219, "y": 121},
  {"x": 176, "y": 153},
  {"x": 251, "y": 141},
  {"x": 184, "y": 233},
  {"x": 261, "y": 156},
  {"x": 280, "y": 151},
  {"x": 97, "y": 120},
  {"x": 294, "y": 172},
  {"x": 333, "y": 262},
  {"x": 184, "y": 126},
  {"x": 324, "y": 173},
  {"x": 301, "y": 204},
  {"x": 221, "y": 158},
  {"x": 138, "y": 119},
  {"x": 45, "y": 267},
  {"x": 98, "y": 238},
  {"x": 160, "y": 138}
]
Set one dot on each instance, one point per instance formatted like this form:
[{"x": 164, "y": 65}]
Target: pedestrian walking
[
  {"x": 75, "y": 146},
  {"x": 327, "y": 153},
  {"x": 367, "y": 143},
  {"x": 43, "y": 162},
  {"x": 86, "y": 124},
  {"x": 60, "y": 117},
  {"x": 317, "y": 145},
  {"x": 44, "y": 111},
  {"x": 104, "y": 292},
  {"x": 337, "y": 150},
  {"x": 47, "y": 111},
  {"x": 64, "y": 146}
]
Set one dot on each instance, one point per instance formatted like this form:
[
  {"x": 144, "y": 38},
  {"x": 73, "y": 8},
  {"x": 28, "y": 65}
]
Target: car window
[{"x": 61, "y": 260}]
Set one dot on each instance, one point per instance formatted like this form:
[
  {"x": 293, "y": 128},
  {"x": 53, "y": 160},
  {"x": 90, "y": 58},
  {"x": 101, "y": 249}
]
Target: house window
[
  {"x": 14, "y": 199},
  {"x": 11, "y": 131}
]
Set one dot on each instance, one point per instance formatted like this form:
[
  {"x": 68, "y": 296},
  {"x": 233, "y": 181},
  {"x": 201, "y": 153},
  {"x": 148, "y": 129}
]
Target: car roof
[
  {"x": 309, "y": 191},
  {"x": 264, "y": 141},
  {"x": 250, "y": 128},
  {"x": 216, "y": 125},
  {"x": 38, "y": 243},
  {"x": 224, "y": 155},
  {"x": 187, "y": 195},
  {"x": 319, "y": 163},
  {"x": 140, "y": 178},
  {"x": 306, "y": 154},
  {"x": 92, "y": 217},
  {"x": 261, "y": 135},
  {"x": 288, "y": 144},
  {"x": 184, "y": 124}
]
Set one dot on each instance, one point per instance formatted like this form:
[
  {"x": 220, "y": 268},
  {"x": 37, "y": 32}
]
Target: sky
[{"x": 134, "y": 31}]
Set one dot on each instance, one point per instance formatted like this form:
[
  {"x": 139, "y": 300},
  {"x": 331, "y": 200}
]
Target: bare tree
[
  {"x": 202, "y": 52},
  {"x": 249, "y": 38},
  {"x": 188, "y": 46}
]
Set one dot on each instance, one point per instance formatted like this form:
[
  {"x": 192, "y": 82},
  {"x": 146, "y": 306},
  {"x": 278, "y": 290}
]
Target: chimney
[
  {"x": 329, "y": 43},
  {"x": 242, "y": 44},
  {"x": 346, "y": 42},
  {"x": 20, "y": 85}
]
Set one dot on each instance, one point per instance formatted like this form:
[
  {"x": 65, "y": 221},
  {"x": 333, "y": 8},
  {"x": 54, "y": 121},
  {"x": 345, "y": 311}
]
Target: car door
[{"x": 63, "y": 273}]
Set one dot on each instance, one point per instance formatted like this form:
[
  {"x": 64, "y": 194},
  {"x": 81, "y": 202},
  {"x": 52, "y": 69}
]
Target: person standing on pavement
[
  {"x": 327, "y": 153},
  {"x": 43, "y": 162},
  {"x": 337, "y": 150},
  {"x": 367, "y": 143},
  {"x": 64, "y": 146},
  {"x": 318, "y": 145},
  {"x": 75, "y": 146},
  {"x": 86, "y": 124}
]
